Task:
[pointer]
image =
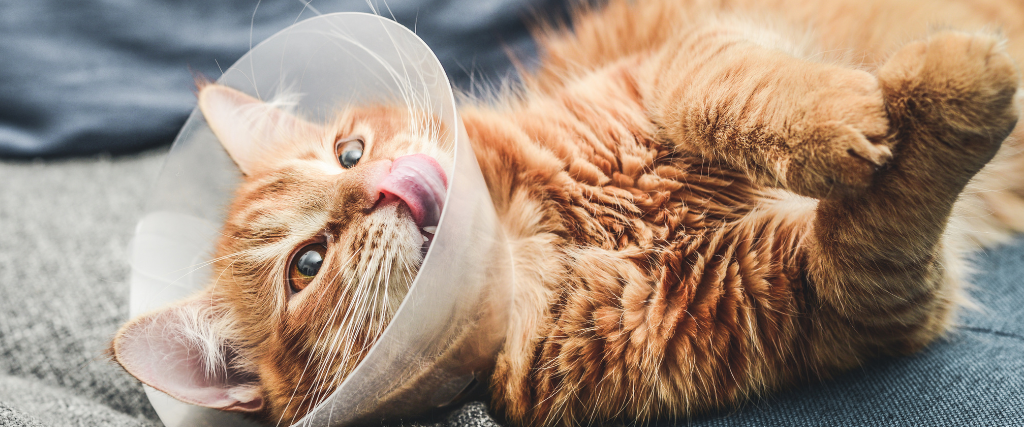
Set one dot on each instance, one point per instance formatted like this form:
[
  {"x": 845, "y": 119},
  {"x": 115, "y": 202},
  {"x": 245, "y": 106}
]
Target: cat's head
[{"x": 320, "y": 246}]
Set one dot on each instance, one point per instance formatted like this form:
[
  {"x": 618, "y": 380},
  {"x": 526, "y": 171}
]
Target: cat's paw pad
[{"x": 959, "y": 86}]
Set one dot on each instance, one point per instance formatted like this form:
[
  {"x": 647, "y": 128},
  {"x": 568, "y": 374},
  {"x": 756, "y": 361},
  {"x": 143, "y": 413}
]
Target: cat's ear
[
  {"x": 181, "y": 351},
  {"x": 247, "y": 127}
]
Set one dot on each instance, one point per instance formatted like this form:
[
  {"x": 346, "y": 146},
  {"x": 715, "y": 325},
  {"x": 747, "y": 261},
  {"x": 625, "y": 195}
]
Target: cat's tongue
[{"x": 420, "y": 182}]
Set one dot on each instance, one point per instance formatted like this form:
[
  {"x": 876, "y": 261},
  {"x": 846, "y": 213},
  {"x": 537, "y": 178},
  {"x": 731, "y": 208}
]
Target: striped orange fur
[{"x": 705, "y": 200}]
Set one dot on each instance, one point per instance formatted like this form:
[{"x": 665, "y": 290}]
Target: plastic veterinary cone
[{"x": 453, "y": 320}]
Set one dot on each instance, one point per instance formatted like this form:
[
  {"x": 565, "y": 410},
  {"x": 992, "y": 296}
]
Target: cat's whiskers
[
  {"x": 415, "y": 100},
  {"x": 224, "y": 271},
  {"x": 368, "y": 290},
  {"x": 315, "y": 355},
  {"x": 327, "y": 353},
  {"x": 345, "y": 338},
  {"x": 385, "y": 270},
  {"x": 196, "y": 267}
]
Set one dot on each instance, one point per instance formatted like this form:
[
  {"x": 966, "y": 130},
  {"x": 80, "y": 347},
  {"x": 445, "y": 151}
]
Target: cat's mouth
[{"x": 420, "y": 183}]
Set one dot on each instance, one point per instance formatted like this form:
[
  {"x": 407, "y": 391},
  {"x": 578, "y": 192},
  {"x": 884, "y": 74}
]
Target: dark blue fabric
[
  {"x": 86, "y": 76},
  {"x": 975, "y": 377}
]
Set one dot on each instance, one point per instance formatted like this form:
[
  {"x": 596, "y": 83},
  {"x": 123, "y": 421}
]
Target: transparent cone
[{"x": 453, "y": 320}]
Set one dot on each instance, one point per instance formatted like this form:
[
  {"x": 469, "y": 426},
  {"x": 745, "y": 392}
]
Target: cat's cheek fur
[{"x": 331, "y": 325}]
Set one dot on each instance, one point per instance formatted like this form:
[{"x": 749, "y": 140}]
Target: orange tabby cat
[{"x": 704, "y": 199}]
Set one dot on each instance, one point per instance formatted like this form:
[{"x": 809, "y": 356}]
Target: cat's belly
[
  {"x": 677, "y": 283},
  {"x": 639, "y": 270}
]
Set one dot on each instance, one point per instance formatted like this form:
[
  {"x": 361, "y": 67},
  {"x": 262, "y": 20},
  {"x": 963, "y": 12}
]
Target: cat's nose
[{"x": 418, "y": 181}]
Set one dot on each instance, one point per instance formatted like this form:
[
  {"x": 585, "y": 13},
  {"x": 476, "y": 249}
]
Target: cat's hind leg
[{"x": 882, "y": 279}]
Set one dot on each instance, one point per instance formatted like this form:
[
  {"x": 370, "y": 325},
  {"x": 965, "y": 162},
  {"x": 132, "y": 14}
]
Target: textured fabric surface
[
  {"x": 65, "y": 226},
  {"x": 88, "y": 76}
]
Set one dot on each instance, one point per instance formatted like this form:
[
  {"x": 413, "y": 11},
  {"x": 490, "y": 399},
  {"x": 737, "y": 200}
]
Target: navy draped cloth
[{"x": 88, "y": 76}]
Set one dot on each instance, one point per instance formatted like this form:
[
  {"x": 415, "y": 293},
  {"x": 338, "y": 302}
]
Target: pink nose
[{"x": 418, "y": 181}]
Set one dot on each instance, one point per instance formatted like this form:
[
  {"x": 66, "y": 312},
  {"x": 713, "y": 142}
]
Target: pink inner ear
[
  {"x": 247, "y": 127},
  {"x": 159, "y": 351}
]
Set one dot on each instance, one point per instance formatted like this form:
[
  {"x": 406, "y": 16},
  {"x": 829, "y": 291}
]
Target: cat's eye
[
  {"x": 305, "y": 265},
  {"x": 349, "y": 152}
]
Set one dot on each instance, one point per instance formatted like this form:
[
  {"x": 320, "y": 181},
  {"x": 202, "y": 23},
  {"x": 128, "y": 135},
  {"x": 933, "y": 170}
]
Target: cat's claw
[
  {"x": 875, "y": 154},
  {"x": 840, "y": 139},
  {"x": 842, "y": 163}
]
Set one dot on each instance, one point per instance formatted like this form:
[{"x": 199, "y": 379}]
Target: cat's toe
[
  {"x": 843, "y": 140},
  {"x": 876, "y": 154},
  {"x": 845, "y": 166},
  {"x": 958, "y": 87}
]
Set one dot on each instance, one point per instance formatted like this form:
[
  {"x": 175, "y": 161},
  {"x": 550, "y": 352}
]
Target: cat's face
[{"x": 320, "y": 246}]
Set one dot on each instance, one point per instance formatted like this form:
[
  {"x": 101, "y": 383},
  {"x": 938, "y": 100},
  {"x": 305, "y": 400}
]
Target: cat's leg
[
  {"x": 745, "y": 97},
  {"x": 877, "y": 261}
]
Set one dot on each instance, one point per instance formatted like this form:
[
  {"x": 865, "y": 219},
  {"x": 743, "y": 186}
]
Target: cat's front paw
[
  {"x": 840, "y": 135},
  {"x": 955, "y": 91}
]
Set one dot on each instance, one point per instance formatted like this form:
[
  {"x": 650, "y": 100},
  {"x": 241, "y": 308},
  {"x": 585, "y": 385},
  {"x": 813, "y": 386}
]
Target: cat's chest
[
  {"x": 647, "y": 197},
  {"x": 586, "y": 162}
]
